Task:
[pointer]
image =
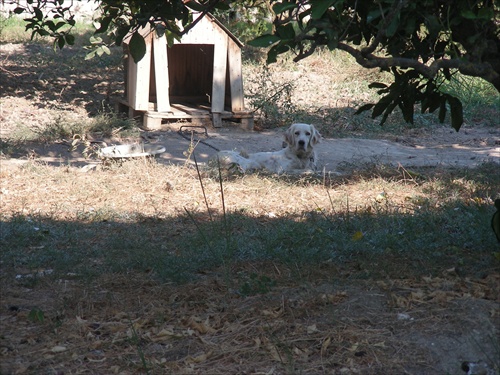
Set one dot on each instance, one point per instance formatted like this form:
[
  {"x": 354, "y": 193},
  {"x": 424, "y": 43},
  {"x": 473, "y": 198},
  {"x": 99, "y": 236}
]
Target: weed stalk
[
  {"x": 203, "y": 188},
  {"x": 135, "y": 340}
]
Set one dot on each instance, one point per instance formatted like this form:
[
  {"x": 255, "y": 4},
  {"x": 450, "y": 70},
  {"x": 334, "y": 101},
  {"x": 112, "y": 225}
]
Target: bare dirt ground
[
  {"x": 330, "y": 325},
  {"x": 38, "y": 97},
  {"x": 444, "y": 148}
]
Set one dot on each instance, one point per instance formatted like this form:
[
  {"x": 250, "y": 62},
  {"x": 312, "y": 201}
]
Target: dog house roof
[
  {"x": 146, "y": 31},
  {"x": 226, "y": 30}
]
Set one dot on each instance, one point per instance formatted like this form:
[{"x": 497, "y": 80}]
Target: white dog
[{"x": 298, "y": 156}]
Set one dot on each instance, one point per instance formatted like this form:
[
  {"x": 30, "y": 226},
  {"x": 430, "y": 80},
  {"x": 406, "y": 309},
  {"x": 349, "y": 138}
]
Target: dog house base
[
  {"x": 160, "y": 120},
  {"x": 199, "y": 115}
]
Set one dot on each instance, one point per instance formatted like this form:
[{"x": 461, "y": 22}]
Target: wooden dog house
[{"x": 197, "y": 78}]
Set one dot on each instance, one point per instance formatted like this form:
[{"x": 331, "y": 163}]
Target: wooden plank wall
[
  {"x": 219, "y": 76},
  {"x": 160, "y": 61},
  {"x": 138, "y": 77},
  {"x": 235, "y": 76}
]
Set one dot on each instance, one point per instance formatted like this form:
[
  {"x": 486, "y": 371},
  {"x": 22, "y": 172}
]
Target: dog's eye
[
  {"x": 297, "y": 133},
  {"x": 307, "y": 133}
]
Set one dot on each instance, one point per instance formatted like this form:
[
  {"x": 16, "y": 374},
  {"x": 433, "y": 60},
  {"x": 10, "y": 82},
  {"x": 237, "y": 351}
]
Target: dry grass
[{"x": 144, "y": 187}]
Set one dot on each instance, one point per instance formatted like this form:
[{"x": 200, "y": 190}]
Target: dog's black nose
[{"x": 302, "y": 143}]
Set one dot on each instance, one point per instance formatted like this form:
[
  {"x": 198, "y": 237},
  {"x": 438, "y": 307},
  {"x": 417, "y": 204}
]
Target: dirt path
[{"x": 444, "y": 147}]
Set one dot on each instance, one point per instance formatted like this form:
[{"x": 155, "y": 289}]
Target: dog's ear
[
  {"x": 289, "y": 136},
  {"x": 315, "y": 135}
]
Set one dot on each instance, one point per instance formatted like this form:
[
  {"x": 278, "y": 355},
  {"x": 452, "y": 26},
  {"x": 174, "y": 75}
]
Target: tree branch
[{"x": 482, "y": 70}]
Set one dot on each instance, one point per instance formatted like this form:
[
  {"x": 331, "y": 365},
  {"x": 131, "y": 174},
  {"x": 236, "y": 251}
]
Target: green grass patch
[
  {"x": 105, "y": 124},
  {"x": 13, "y": 30},
  {"x": 377, "y": 241},
  {"x": 480, "y": 99}
]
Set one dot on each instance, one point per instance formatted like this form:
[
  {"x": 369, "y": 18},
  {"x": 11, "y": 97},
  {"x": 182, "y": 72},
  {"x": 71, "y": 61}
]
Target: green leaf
[
  {"x": 272, "y": 55},
  {"x": 90, "y": 55},
  {"x": 70, "y": 39},
  {"x": 332, "y": 44},
  {"x": 19, "y": 10},
  {"x": 486, "y": 14},
  {"x": 106, "y": 50},
  {"x": 285, "y": 31},
  {"x": 38, "y": 13},
  {"x": 194, "y": 6},
  {"x": 137, "y": 47},
  {"x": 60, "y": 41},
  {"x": 441, "y": 46},
  {"x": 382, "y": 104},
  {"x": 377, "y": 85},
  {"x": 357, "y": 236},
  {"x": 95, "y": 40},
  {"x": 60, "y": 24},
  {"x": 319, "y": 7},
  {"x": 407, "y": 110},
  {"x": 364, "y": 108},
  {"x": 121, "y": 32},
  {"x": 171, "y": 38},
  {"x": 409, "y": 25},
  {"x": 373, "y": 15},
  {"x": 104, "y": 25},
  {"x": 274, "y": 52},
  {"x": 433, "y": 102},
  {"x": 387, "y": 112},
  {"x": 221, "y": 5},
  {"x": 456, "y": 112},
  {"x": 468, "y": 14},
  {"x": 442, "y": 110},
  {"x": 279, "y": 8},
  {"x": 392, "y": 27},
  {"x": 36, "y": 315},
  {"x": 433, "y": 25},
  {"x": 264, "y": 40},
  {"x": 51, "y": 25}
]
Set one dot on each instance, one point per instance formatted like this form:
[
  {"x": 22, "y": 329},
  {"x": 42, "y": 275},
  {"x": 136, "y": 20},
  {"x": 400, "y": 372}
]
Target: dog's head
[{"x": 302, "y": 138}]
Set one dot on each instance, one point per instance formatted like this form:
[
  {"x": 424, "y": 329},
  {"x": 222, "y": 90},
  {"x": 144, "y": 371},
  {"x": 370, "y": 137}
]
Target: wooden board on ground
[{"x": 197, "y": 114}]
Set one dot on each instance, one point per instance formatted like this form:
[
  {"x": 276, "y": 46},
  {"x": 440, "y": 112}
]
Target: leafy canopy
[{"x": 423, "y": 44}]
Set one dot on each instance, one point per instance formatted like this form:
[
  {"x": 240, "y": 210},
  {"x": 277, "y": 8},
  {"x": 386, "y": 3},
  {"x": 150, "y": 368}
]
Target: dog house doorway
[{"x": 190, "y": 71}]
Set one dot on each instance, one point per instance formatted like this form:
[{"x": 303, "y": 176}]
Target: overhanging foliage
[{"x": 423, "y": 44}]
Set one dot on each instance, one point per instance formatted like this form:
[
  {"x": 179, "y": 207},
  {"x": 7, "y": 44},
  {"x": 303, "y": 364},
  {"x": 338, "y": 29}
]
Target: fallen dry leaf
[
  {"x": 199, "y": 358},
  {"x": 201, "y": 327},
  {"x": 325, "y": 345},
  {"x": 58, "y": 349},
  {"x": 273, "y": 313},
  {"x": 312, "y": 329}
]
